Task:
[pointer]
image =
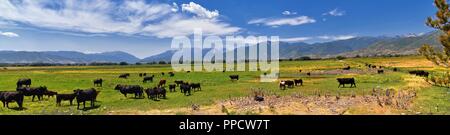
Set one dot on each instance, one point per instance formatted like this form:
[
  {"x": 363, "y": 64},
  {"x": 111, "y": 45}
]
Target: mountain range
[{"x": 362, "y": 46}]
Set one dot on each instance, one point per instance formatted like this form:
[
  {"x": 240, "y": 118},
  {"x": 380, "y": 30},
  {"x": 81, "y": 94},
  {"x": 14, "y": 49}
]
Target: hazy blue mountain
[{"x": 64, "y": 57}]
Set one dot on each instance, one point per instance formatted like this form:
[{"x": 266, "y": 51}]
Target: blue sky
[{"x": 145, "y": 28}]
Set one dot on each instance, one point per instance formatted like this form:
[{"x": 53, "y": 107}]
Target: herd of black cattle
[{"x": 155, "y": 93}]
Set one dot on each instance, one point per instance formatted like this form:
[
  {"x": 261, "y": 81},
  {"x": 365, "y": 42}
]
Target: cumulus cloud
[
  {"x": 199, "y": 10},
  {"x": 289, "y": 13},
  {"x": 275, "y": 22},
  {"x": 335, "y": 12},
  {"x": 9, "y": 34},
  {"x": 107, "y": 17}
]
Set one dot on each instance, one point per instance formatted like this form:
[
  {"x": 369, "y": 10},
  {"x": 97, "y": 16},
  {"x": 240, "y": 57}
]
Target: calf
[
  {"x": 346, "y": 68},
  {"x": 7, "y": 97},
  {"x": 380, "y": 71},
  {"x": 148, "y": 78},
  {"x": 234, "y": 77},
  {"x": 86, "y": 95},
  {"x": 172, "y": 87},
  {"x": 130, "y": 89},
  {"x": 98, "y": 82},
  {"x": 178, "y": 82},
  {"x": 196, "y": 86},
  {"x": 64, "y": 97},
  {"x": 124, "y": 76},
  {"x": 298, "y": 81},
  {"x": 343, "y": 81},
  {"x": 162, "y": 83}
]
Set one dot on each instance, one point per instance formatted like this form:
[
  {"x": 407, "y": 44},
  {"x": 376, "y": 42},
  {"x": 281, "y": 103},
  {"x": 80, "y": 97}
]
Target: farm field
[{"x": 319, "y": 94}]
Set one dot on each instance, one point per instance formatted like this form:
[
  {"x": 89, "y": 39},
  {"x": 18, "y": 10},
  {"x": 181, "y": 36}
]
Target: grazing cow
[
  {"x": 395, "y": 69},
  {"x": 343, "y": 81},
  {"x": 283, "y": 85},
  {"x": 185, "y": 88},
  {"x": 124, "y": 76},
  {"x": 35, "y": 91},
  {"x": 188, "y": 71},
  {"x": 196, "y": 86},
  {"x": 162, "y": 83},
  {"x": 223, "y": 71},
  {"x": 298, "y": 81},
  {"x": 346, "y": 68},
  {"x": 155, "y": 93},
  {"x": 140, "y": 74},
  {"x": 290, "y": 84},
  {"x": 98, "y": 82},
  {"x": 234, "y": 77},
  {"x": 308, "y": 74},
  {"x": 148, "y": 78},
  {"x": 7, "y": 97},
  {"x": 172, "y": 87},
  {"x": 86, "y": 95},
  {"x": 178, "y": 82},
  {"x": 171, "y": 74},
  {"x": 24, "y": 81},
  {"x": 144, "y": 74},
  {"x": 373, "y": 66},
  {"x": 299, "y": 71},
  {"x": 50, "y": 93},
  {"x": 162, "y": 73},
  {"x": 380, "y": 71},
  {"x": 419, "y": 73},
  {"x": 130, "y": 89},
  {"x": 64, "y": 97}
]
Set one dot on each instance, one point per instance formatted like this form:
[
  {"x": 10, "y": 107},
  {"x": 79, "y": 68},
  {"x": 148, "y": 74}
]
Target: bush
[
  {"x": 340, "y": 57},
  {"x": 123, "y": 63}
]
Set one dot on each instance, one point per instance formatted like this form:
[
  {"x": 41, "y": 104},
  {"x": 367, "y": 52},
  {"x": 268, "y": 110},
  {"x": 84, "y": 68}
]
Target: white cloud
[
  {"x": 179, "y": 26},
  {"x": 335, "y": 12},
  {"x": 199, "y": 10},
  {"x": 9, "y": 34},
  {"x": 295, "y": 39},
  {"x": 289, "y": 13},
  {"x": 339, "y": 37},
  {"x": 275, "y": 22},
  {"x": 111, "y": 17}
]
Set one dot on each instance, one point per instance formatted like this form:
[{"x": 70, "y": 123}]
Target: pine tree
[{"x": 441, "y": 23}]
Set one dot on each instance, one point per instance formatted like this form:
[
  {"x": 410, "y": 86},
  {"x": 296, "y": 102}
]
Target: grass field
[{"x": 216, "y": 86}]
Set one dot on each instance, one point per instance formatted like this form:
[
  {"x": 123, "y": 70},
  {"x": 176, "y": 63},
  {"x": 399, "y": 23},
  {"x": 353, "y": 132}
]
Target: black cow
[
  {"x": 185, "y": 88},
  {"x": 290, "y": 84},
  {"x": 65, "y": 97},
  {"x": 380, "y": 71},
  {"x": 395, "y": 69},
  {"x": 155, "y": 93},
  {"x": 144, "y": 74},
  {"x": 171, "y": 74},
  {"x": 124, "y": 76},
  {"x": 161, "y": 92},
  {"x": 172, "y": 87},
  {"x": 35, "y": 91},
  {"x": 343, "y": 81},
  {"x": 86, "y": 95},
  {"x": 419, "y": 73},
  {"x": 309, "y": 73},
  {"x": 7, "y": 97},
  {"x": 24, "y": 81},
  {"x": 140, "y": 74},
  {"x": 178, "y": 82},
  {"x": 234, "y": 77},
  {"x": 162, "y": 73},
  {"x": 298, "y": 81},
  {"x": 148, "y": 78},
  {"x": 98, "y": 82},
  {"x": 50, "y": 93},
  {"x": 346, "y": 68},
  {"x": 196, "y": 86},
  {"x": 130, "y": 89}
]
